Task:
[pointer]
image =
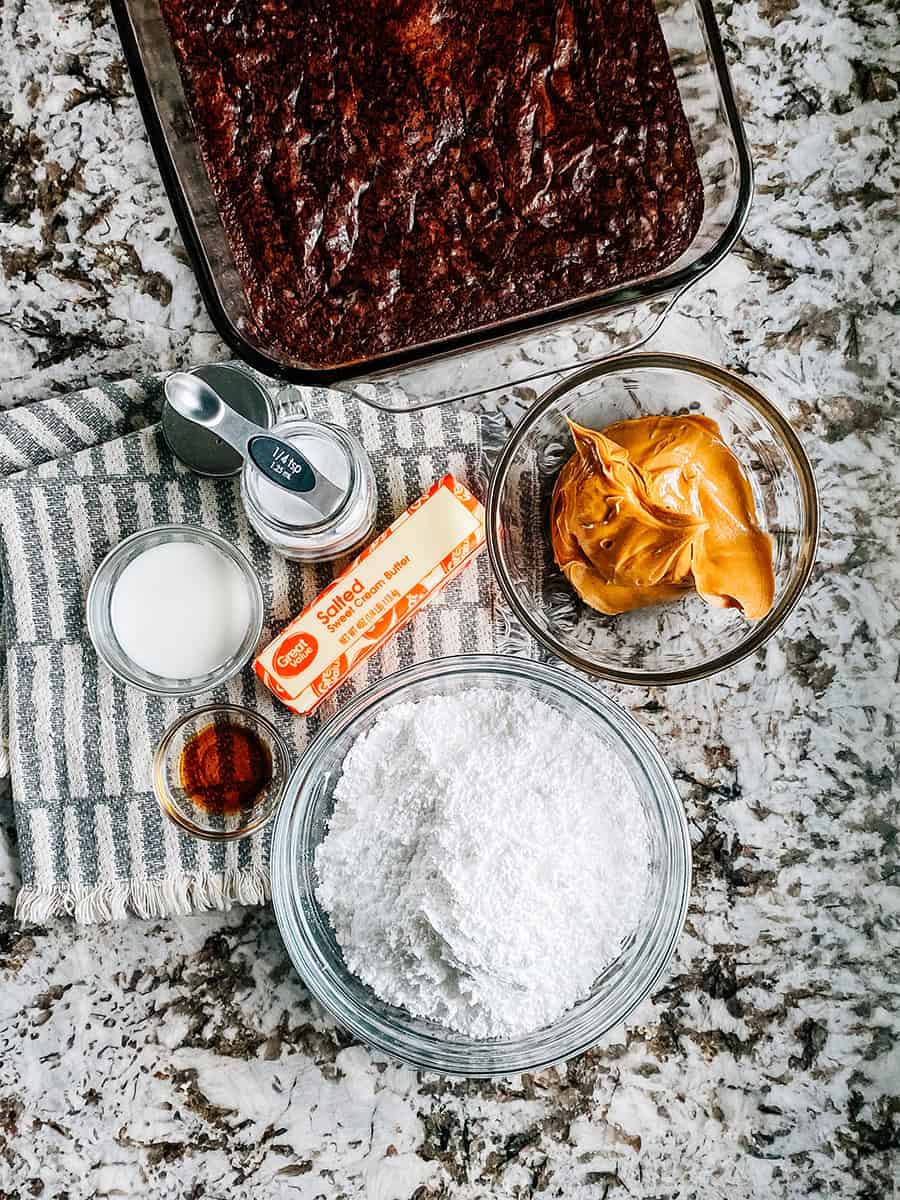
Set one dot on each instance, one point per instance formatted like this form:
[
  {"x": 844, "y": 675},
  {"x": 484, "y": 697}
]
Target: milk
[{"x": 180, "y": 610}]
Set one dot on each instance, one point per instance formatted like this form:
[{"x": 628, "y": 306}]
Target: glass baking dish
[{"x": 491, "y": 356}]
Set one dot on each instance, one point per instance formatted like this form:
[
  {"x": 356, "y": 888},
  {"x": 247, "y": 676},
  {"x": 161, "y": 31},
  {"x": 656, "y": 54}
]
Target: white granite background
[{"x": 185, "y": 1059}]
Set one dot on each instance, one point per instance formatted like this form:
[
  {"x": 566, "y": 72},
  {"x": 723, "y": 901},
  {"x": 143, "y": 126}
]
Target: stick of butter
[{"x": 374, "y": 597}]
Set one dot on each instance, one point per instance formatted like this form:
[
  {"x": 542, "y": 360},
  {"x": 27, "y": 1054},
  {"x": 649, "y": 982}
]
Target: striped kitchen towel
[{"x": 77, "y": 474}]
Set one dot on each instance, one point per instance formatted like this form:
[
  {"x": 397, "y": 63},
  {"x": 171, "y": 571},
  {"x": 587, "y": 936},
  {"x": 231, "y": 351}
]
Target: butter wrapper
[{"x": 374, "y": 597}]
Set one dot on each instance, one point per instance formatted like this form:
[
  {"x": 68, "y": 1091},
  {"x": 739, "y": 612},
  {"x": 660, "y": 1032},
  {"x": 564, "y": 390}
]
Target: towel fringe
[{"x": 149, "y": 898}]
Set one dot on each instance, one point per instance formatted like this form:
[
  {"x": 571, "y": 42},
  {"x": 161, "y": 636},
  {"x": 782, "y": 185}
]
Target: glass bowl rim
[
  {"x": 531, "y": 1052},
  {"x": 760, "y": 631},
  {"x": 277, "y": 746},
  {"x": 159, "y": 685}
]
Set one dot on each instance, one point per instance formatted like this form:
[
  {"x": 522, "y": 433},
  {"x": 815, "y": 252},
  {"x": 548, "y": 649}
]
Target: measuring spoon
[{"x": 197, "y": 401}]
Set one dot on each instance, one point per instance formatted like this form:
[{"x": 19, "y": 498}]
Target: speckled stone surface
[{"x": 185, "y": 1059}]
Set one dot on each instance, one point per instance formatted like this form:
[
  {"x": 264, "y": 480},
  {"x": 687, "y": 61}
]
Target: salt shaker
[{"x": 287, "y": 522}]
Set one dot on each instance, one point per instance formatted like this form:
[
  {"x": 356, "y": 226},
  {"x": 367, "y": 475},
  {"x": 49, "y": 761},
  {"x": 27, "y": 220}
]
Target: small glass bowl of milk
[
  {"x": 175, "y": 610},
  {"x": 292, "y": 526}
]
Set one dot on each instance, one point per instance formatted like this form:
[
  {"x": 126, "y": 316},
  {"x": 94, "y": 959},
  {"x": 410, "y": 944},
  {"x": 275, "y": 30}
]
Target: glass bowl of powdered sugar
[{"x": 481, "y": 866}]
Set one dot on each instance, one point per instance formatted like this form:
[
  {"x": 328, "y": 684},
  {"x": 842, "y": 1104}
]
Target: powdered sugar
[{"x": 485, "y": 860}]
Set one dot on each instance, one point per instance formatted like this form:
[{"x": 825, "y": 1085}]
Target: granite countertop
[{"x": 185, "y": 1059}]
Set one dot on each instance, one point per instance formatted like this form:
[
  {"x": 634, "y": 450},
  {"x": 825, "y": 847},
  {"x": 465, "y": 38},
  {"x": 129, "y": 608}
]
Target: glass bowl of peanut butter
[{"x": 653, "y": 520}]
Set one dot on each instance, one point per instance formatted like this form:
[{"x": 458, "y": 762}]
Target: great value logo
[{"x": 295, "y": 654}]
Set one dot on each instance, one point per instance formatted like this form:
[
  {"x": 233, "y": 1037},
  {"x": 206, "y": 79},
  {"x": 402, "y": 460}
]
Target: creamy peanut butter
[{"x": 651, "y": 508}]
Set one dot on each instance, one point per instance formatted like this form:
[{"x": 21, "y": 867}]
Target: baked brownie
[{"x": 394, "y": 171}]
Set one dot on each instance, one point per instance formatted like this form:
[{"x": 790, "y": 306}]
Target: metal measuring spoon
[{"x": 281, "y": 463}]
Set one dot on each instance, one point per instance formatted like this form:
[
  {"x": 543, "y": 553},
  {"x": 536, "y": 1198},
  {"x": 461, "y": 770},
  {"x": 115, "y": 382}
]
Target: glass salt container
[{"x": 287, "y": 522}]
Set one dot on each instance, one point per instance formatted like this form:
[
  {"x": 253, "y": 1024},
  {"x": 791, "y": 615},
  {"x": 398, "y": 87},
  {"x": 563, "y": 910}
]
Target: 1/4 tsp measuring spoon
[{"x": 280, "y": 462}]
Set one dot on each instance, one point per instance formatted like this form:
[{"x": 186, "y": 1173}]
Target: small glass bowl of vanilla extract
[{"x": 220, "y": 771}]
